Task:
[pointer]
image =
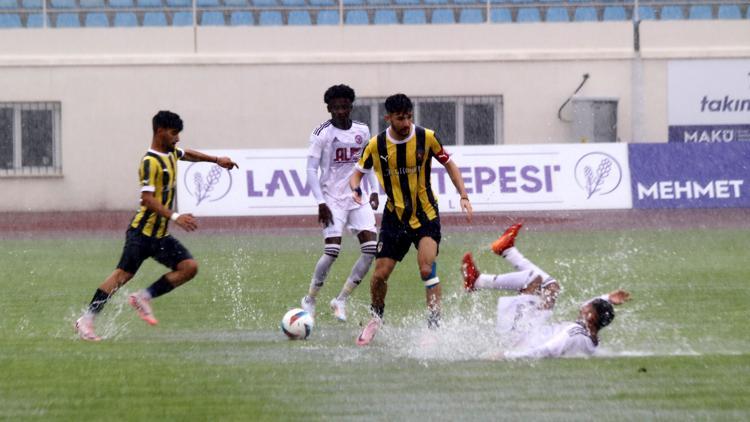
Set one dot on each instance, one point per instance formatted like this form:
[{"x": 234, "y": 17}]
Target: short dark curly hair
[
  {"x": 605, "y": 313},
  {"x": 166, "y": 120},
  {"x": 398, "y": 103},
  {"x": 339, "y": 91}
]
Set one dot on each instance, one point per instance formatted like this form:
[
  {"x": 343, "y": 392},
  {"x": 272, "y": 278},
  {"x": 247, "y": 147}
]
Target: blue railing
[{"x": 135, "y": 13}]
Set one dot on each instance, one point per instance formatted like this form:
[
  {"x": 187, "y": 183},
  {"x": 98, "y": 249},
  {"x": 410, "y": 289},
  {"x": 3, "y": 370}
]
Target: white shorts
[{"x": 356, "y": 220}]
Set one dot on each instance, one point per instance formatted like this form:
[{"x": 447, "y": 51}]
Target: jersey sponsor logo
[
  {"x": 346, "y": 155},
  {"x": 358, "y": 139},
  {"x": 401, "y": 170},
  {"x": 207, "y": 182},
  {"x": 598, "y": 173}
]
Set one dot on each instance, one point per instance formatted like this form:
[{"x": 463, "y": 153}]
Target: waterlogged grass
[{"x": 678, "y": 351}]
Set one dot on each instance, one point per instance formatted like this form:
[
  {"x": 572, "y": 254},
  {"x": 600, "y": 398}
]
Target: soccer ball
[{"x": 297, "y": 324}]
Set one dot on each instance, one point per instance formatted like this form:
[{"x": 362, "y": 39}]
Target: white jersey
[
  {"x": 338, "y": 151},
  {"x": 522, "y": 319},
  {"x": 567, "y": 339},
  {"x": 519, "y": 315}
]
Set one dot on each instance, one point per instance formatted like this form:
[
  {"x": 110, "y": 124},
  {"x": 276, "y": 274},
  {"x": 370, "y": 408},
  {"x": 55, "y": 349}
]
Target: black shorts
[
  {"x": 396, "y": 238},
  {"x": 168, "y": 251}
]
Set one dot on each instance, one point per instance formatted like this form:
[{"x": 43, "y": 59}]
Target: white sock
[
  {"x": 322, "y": 268},
  {"x": 359, "y": 270},
  {"x": 508, "y": 281},
  {"x": 347, "y": 290}
]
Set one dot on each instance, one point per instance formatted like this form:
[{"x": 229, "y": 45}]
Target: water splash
[
  {"x": 108, "y": 325},
  {"x": 231, "y": 283}
]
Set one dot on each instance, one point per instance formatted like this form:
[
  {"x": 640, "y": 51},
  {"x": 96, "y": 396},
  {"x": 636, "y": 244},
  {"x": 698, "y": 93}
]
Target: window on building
[
  {"x": 476, "y": 129},
  {"x": 361, "y": 113},
  {"x": 30, "y": 139},
  {"x": 470, "y": 120},
  {"x": 439, "y": 116}
]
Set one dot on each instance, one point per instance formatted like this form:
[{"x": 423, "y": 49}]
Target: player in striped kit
[
  {"x": 401, "y": 157},
  {"x": 524, "y": 317},
  {"x": 148, "y": 235},
  {"x": 335, "y": 147}
]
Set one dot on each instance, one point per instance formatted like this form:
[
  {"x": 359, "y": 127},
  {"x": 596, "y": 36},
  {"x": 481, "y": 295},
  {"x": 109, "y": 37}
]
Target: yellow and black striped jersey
[
  {"x": 403, "y": 169},
  {"x": 158, "y": 174}
]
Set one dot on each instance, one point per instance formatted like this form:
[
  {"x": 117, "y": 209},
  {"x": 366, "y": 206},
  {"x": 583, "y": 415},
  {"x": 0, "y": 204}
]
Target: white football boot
[
  {"x": 85, "y": 328},
  {"x": 339, "y": 309}
]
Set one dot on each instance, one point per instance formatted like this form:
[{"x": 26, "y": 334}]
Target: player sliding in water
[{"x": 524, "y": 317}]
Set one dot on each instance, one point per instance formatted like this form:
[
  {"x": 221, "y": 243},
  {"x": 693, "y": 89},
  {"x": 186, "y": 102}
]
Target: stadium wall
[{"x": 261, "y": 87}]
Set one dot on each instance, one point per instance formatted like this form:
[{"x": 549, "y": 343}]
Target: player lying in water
[{"x": 524, "y": 317}]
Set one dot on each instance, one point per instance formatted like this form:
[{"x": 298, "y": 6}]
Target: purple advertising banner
[
  {"x": 692, "y": 175},
  {"x": 709, "y": 133}
]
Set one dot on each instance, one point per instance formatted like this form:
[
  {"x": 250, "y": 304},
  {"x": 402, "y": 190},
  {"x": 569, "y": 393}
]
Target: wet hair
[
  {"x": 605, "y": 313},
  {"x": 166, "y": 120},
  {"x": 398, "y": 103},
  {"x": 338, "y": 91}
]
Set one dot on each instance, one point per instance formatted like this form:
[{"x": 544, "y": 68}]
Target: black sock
[
  {"x": 160, "y": 287},
  {"x": 377, "y": 310},
  {"x": 98, "y": 301}
]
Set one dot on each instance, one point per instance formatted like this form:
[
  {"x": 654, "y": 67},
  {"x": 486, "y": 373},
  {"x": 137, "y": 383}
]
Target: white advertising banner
[
  {"x": 498, "y": 178},
  {"x": 709, "y": 100}
]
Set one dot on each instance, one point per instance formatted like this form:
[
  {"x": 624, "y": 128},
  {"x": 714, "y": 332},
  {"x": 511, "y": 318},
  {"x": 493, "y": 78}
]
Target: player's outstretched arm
[
  {"x": 615, "y": 297},
  {"x": 186, "y": 221},
  {"x": 458, "y": 182},
  {"x": 619, "y": 296},
  {"x": 195, "y": 156}
]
